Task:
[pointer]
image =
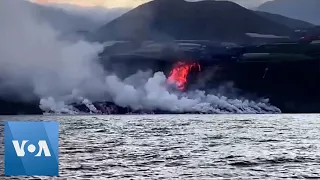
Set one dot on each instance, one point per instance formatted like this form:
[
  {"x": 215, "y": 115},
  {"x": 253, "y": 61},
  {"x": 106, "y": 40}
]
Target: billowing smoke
[{"x": 36, "y": 64}]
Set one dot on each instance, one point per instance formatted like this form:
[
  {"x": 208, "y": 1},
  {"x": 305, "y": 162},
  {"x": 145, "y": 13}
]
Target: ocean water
[{"x": 185, "y": 146}]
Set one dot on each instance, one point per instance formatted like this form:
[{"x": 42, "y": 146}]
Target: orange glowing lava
[{"x": 179, "y": 73}]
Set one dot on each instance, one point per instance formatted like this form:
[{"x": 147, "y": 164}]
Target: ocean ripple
[{"x": 186, "y": 146}]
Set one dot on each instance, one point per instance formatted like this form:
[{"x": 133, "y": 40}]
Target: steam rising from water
[
  {"x": 34, "y": 63},
  {"x": 153, "y": 94}
]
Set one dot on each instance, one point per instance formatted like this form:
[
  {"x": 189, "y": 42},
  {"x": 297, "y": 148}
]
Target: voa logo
[
  {"x": 42, "y": 148},
  {"x": 31, "y": 148}
]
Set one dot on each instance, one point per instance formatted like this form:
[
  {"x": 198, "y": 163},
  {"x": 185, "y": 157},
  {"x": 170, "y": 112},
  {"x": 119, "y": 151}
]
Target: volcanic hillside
[{"x": 179, "y": 19}]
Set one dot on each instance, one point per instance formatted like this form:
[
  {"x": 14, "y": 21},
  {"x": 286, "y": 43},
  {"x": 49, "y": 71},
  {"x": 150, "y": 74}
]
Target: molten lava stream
[{"x": 180, "y": 72}]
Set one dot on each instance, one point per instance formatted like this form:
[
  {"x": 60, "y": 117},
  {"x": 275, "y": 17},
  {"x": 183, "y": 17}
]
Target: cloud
[
  {"x": 245, "y": 3},
  {"x": 134, "y": 3},
  {"x": 95, "y": 13},
  {"x": 69, "y": 18},
  {"x": 33, "y": 61},
  {"x": 250, "y": 3},
  {"x": 101, "y": 3}
]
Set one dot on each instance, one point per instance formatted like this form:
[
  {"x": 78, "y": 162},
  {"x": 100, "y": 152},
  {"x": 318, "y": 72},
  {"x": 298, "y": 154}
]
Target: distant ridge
[
  {"x": 61, "y": 19},
  {"x": 289, "y": 22},
  {"x": 212, "y": 20},
  {"x": 306, "y": 10}
]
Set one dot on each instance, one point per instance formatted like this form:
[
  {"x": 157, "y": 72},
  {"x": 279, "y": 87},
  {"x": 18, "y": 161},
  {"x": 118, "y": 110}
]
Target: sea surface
[{"x": 185, "y": 146}]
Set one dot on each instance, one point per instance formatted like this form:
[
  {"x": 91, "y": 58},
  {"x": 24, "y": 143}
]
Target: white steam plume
[
  {"x": 152, "y": 93},
  {"x": 34, "y": 62}
]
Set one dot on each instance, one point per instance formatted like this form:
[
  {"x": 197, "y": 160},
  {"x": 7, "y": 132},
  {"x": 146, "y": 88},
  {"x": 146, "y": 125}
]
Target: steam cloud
[{"x": 36, "y": 64}]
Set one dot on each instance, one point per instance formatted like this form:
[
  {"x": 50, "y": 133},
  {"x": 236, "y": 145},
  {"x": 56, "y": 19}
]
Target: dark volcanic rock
[{"x": 178, "y": 19}]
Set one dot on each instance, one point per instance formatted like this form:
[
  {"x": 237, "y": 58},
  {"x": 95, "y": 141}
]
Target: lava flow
[{"x": 179, "y": 73}]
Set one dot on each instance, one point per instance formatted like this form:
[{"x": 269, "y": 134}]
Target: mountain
[
  {"x": 60, "y": 19},
  {"x": 69, "y": 18},
  {"x": 306, "y": 10},
  {"x": 289, "y": 22},
  {"x": 179, "y": 19}
]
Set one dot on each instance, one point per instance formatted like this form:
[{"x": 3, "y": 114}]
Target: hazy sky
[{"x": 134, "y": 3}]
